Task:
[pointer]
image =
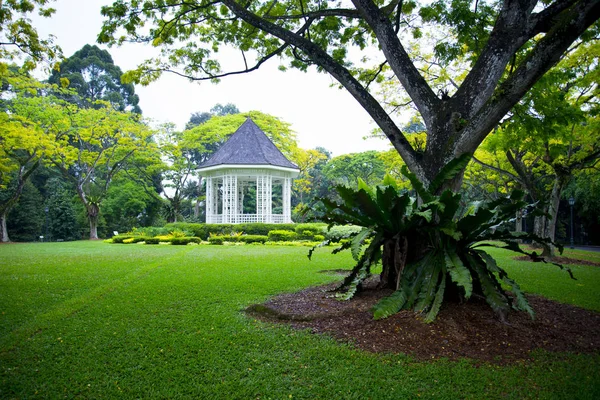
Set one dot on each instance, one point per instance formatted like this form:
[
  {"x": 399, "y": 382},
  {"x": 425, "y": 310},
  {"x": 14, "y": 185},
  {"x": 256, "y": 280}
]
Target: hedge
[
  {"x": 152, "y": 240},
  {"x": 282, "y": 236},
  {"x": 339, "y": 232},
  {"x": 182, "y": 241},
  {"x": 120, "y": 238},
  {"x": 218, "y": 240},
  {"x": 203, "y": 231},
  {"x": 254, "y": 238},
  {"x": 311, "y": 229}
]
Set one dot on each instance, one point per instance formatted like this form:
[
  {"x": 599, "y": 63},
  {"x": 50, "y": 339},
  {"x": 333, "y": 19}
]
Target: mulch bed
[{"x": 469, "y": 330}]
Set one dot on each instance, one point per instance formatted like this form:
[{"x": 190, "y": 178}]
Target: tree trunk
[
  {"x": 519, "y": 221},
  {"x": 550, "y": 231},
  {"x": 93, "y": 212},
  {"x": 197, "y": 209},
  {"x": 4, "y": 232},
  {"x": 393, "y": 260}
]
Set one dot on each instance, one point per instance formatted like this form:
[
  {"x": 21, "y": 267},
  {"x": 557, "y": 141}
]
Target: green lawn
[{"x": 93, "y": 320}]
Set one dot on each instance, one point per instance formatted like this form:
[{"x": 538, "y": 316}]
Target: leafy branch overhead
[
  {"x": 450, "y": 261},
  {"x": 507, "y": 47}
]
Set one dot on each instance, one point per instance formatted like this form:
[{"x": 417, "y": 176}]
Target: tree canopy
[
  {"x": 93, "y": 75},
  {"x": 19, "y": 37},
  {"x": 506, "y": 47}
]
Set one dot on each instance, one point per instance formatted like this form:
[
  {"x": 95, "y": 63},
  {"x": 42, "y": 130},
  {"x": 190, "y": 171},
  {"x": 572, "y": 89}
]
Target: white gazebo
[{"x": 248, "y": 168}]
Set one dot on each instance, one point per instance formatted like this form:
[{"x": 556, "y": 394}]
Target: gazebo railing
[{"x": 247, "y": 218}]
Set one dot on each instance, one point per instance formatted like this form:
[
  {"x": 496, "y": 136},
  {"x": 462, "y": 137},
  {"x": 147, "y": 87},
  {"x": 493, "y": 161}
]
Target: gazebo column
[
  {"x": 210, "y": 200},
  {"x": 287, "y": 203},
  {"x": 230, "y": 199},
  {"x": 264, "y": 198},
  {"x": 240, "y": 198}
]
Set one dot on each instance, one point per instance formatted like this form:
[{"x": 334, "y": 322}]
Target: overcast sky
[{"x": 320, "y": 115}]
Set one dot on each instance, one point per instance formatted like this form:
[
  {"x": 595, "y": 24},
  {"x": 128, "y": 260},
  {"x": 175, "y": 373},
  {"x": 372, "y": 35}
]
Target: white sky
[{"x": 320, "y": 115}]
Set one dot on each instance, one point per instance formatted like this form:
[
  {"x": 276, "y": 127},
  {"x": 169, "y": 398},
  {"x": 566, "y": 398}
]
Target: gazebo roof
[{"x": 248, "y": 146}]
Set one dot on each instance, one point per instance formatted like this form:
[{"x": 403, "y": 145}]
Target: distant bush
[
  {"x": 152, "y": 240},
  {"x": 318, "y": 238},
  {"x": 121, "y": 238},
  {"x": 182, "y": 241},
  {"x": 262, "y": 228},
  {"x": 205, "y": 230},
  {"x": 165, "y": 238},
  {"x": 282, "y": 236},
  {"x": 339, "y": 232},
  {"x": 254, "y": 238},
  {"x": 311, "y": 229},
  {"x": 148, "y": 231},
  {"x": 217, "y": 240},
  {"x": 129, "y": 240}
]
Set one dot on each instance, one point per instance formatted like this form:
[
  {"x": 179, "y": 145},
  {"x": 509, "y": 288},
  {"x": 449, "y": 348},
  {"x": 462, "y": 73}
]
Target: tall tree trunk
[
  {"x": 93, "y": 212},
  {"x": 550, "y": 228},
  {"x": 519, "y": 221},
  {"x": 4, "y": 232}
]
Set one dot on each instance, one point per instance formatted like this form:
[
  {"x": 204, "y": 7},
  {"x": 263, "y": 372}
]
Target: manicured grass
[{"x": 93, "y": 320}]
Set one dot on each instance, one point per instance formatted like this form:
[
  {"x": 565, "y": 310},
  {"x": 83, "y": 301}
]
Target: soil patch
[
  {"x": 563, "y": 261},
  {"x": 468, "y": 330}
]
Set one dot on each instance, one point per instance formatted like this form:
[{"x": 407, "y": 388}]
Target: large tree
[
  {"x": 509, "y": 45},
  {"x": 23, "y": 141},
  {"x": 93, "y": 75},
  {"x": 553, "y": 133},
  {"x": 218, "y": 109},
  {"x": 93, "y": 145}
]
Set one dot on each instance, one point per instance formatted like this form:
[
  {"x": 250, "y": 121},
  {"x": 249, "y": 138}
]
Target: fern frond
[
  {"x": 389, "y": 305},
  {"x": 437, "y": 302},
  {"x": 430, "y": 281},
  {"x": 358, "y": 241},
  {"x": 493, "y": 293},
  {"x": 458, "y": 272},
  {"x": 449, "y": 171}
]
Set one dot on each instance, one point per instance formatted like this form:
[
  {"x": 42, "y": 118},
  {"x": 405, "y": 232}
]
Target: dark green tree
[
  {"x": 92, "y": 73},
  {"x": 348, "y": 168},
  {"x": 218, "y": 109},
  {"x": 62, "y": 217},
  {"x": 128, "y": 205},
  {"x": 26, "y": 219}
]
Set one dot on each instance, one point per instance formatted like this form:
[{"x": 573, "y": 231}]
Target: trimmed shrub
[
  {"x": 165, "y": 238},
  {"x": 318, "y": 238},
  {"x": 254, "y": 238},
  {"x": 339, "y": 232},
  {"x": 121, "y": 238},
  {"x": 218, "y": 240},
  {"x": 205, "y": 230},
  {"x": 182, "y": 241},
  {"x": 282, "y": 236},
  {"x": 262, "y": 228},
  {"x": 311, "y": 229},
  {"x": 129, "y": 240},
  {"x": 152, "y": 240}
]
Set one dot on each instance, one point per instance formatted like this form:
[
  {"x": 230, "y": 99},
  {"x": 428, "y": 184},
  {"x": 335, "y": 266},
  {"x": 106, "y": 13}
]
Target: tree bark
[
  {"x": 4, "y": 232},
  {"x": 395, "y": 252},
  {"x": 93, "y": 212}
]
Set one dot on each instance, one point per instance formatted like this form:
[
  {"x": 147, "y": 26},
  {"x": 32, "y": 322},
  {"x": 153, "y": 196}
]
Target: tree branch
[
  {"x": 508, "y": 35},
  {"x": 342, "y": 75},
  {"x": 546, "y": 53},
  {"x": 408, "y": 75}
]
